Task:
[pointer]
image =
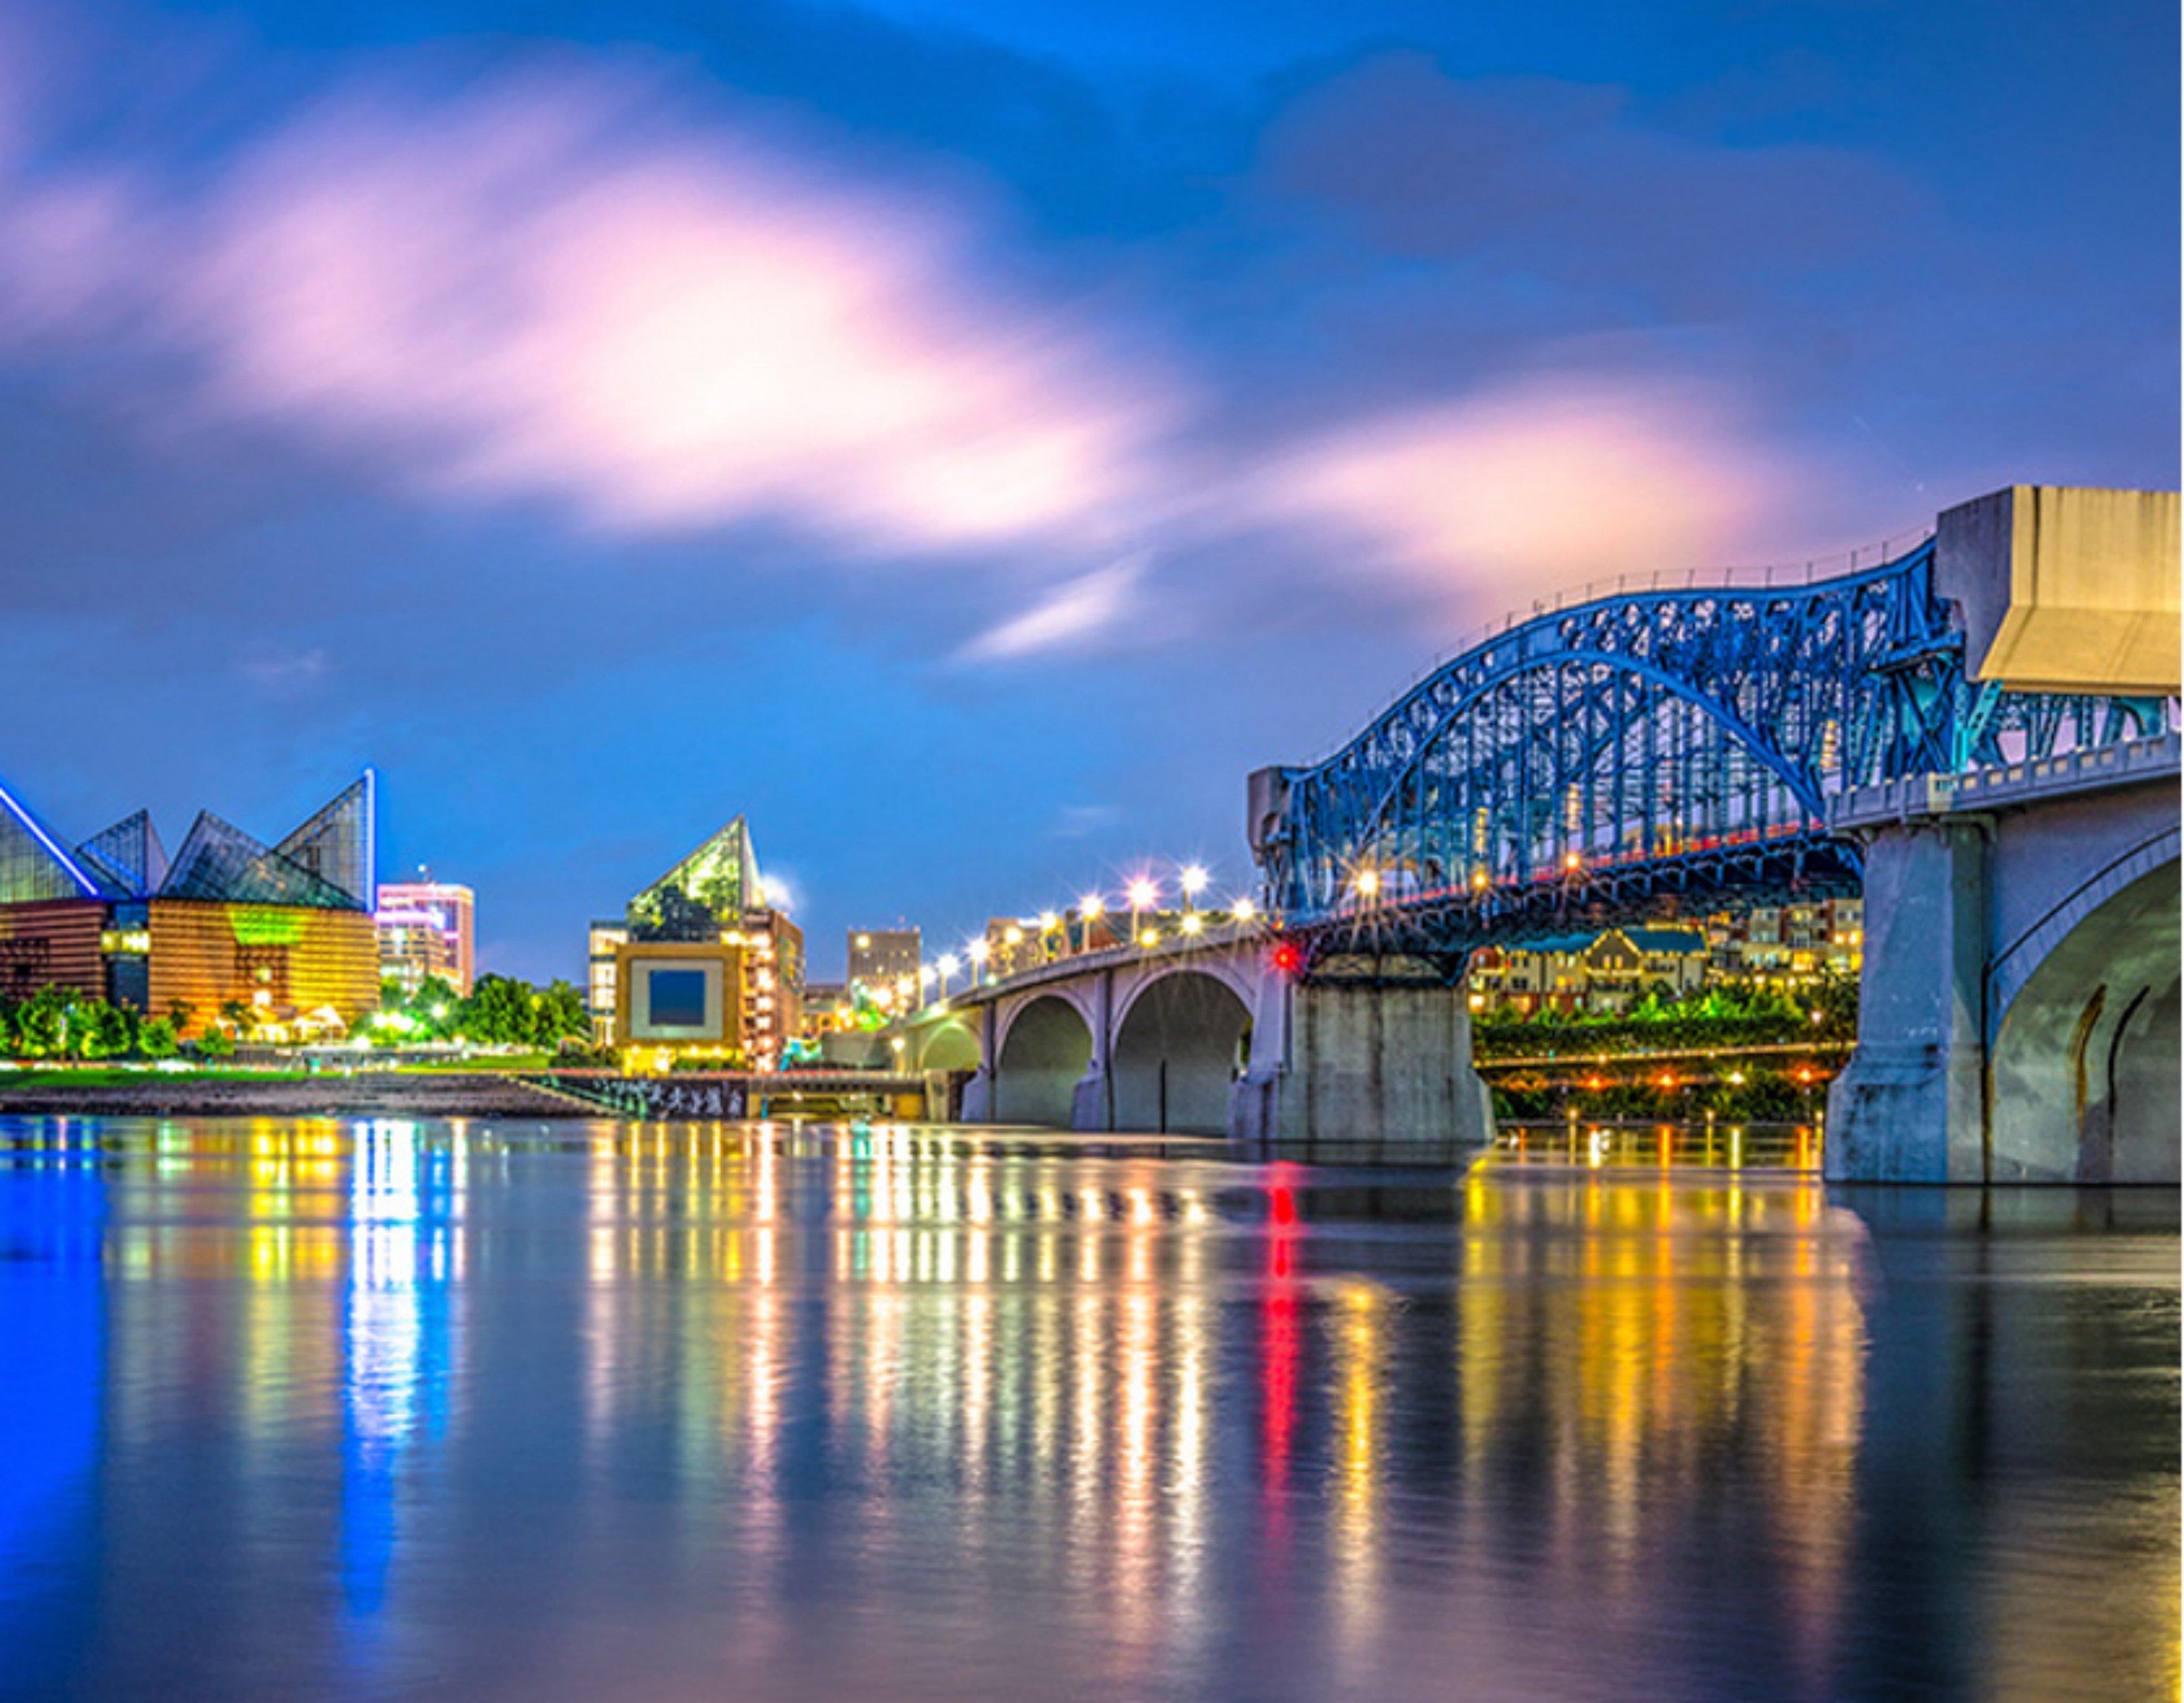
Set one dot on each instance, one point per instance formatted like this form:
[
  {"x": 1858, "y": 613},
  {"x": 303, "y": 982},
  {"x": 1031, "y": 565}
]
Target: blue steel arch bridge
[{"x": 1654, "y": 751}]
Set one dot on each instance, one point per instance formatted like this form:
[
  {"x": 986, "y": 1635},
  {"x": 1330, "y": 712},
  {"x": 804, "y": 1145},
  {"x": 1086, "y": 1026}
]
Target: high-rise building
[
  {"x": 880, "y": 958},
  {"x": 272, "y": 941},
  {"x": 426, "y": 928},
  {"x": 700, "y": 965}
]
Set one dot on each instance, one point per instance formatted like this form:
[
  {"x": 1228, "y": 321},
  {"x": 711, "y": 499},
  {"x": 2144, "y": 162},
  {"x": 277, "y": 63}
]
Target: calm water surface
[{"x": 293, "y": 1409}]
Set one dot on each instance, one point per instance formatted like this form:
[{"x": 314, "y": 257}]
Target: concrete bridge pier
[
  {"x": 1908, "y": 1109},
  {"x": 1367, "y": 1070}
]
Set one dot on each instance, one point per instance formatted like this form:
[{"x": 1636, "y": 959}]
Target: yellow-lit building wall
[{"x": 281, "y": 960}]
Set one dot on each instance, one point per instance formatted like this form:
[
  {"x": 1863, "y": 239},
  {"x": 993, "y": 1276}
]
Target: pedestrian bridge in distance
[{"x": 1978, "y": 733}]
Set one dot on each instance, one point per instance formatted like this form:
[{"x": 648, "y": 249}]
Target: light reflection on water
[{"x": 471, "y": 1411}]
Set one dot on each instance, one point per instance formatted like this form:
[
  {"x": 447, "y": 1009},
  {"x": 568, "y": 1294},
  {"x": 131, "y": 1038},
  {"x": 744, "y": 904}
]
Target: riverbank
[{"x": 213, "y": 1093}]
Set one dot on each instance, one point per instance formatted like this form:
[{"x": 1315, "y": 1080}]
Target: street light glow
[
  {"x": 949, "y": 964},
  {"x": 1243, "y": 910},
  {"x": 1193, "y": 922},
  {"x": 1091, "y": 907},
  {"x": 979, "y": 951},
  {"x": 1194, "y": 879},
  {"x": 1369, "y": 882},
  {"x": 1048, "y": 922},
  {"x": 1012, "y": 936},
  {"x": 1150, "y": 938},
  {"x": 1143, "y": 893}
]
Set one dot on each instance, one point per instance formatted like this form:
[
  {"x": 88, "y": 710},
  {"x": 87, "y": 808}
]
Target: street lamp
[
  {"x": 1369, "y": 882},
  {"x": 979, "y": 951},
  {"x": 1048, "y": 922},
  {"x": 1192, "y": 922},
  {"x": 1090, "y": 908},
  {"x": 1194, "y": 883},
  {"x": 1144, "y": 895},
  {"x": 1243, "y": 910},
  {"x": 949, "y": 964}
]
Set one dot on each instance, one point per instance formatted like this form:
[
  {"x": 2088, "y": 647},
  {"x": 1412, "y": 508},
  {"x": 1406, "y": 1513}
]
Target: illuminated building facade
[
  {"x": 699, "y": 967},
  {"x": 281, "y": 934},
  {"x": 1604, "y": 972},
  {"x": 1783, "y": 945},
  {"x": 880, "y": 958},
  {"x": 426, "y": 928}
]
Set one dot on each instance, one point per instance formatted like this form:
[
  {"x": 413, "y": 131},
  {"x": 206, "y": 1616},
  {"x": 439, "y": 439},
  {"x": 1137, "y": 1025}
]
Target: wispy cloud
[
  {"x": 1543, "y": 482},
  {"x": 539, "y": 288},
  {"x": 1078, "y": 610}
]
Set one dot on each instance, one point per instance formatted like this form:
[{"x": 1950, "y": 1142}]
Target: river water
[{"x": 295, "y": 1408}]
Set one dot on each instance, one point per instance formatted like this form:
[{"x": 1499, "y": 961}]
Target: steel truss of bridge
[{"x": 1651, "y": 753}]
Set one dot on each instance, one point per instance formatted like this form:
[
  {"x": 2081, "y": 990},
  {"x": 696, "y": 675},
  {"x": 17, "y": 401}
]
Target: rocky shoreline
[{"x": 366, "y": 1094}]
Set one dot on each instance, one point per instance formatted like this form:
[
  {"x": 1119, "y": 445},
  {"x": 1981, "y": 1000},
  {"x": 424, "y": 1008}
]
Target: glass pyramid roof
[
  {"x": 33, "y": 865},
  {"x": 127, "y": 859},
  {"x": 335, "y": 843},
  {"x": 218, "y": 861},
  {"x": 706, "y": 893}
]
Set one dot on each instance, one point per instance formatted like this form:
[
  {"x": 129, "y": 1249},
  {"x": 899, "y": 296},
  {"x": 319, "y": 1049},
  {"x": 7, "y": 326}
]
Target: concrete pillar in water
[
  {"x": 1909, "y": 1108},
  {"x": 978, "y": 1092},
  {"x": 1370, "y": 1070},
  {"x": 1092, "y": 1102}
]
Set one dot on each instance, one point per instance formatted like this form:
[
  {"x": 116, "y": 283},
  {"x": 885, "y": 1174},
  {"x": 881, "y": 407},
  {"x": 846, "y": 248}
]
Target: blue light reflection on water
[{"x": 342, "y": 1409}]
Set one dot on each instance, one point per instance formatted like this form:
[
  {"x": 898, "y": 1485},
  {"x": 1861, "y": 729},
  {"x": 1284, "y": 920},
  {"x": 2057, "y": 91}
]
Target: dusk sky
[{"x": 966, "y": 438}]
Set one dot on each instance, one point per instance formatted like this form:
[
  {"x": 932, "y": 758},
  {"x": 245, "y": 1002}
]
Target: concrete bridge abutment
[
  {"x": 1370, "y": 1071},
  {"x": 1908, "y": 1109}
]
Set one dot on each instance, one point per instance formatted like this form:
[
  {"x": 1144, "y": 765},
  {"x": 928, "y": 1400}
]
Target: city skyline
[{"x": 1184, "y": 417}]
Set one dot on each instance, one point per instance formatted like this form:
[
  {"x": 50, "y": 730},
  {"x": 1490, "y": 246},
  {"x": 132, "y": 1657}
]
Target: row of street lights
[{"x": 1141, "y": 895}]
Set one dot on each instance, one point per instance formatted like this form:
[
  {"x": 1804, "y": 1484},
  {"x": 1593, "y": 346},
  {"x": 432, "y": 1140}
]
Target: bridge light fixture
[
  {"x": 1150, "y": 938},
  {"x": 1369, "y": 882},
  {"x": 1243, "y": 910},
  {"x": 1048, "y": 922},
  {"x": 1478, "y": 880},
  {"x": 1144, "y": 893},
  {"x": 1572, "y": 862},
  {"x": 980, "y": 952},
  {"x": 1289, "y": 958},
  {"x": 1193, "y": 923},
  {"x": 926, "y": 975},
  {"x": 949, "y": 964},
  {"x": 1012, "y": 936},
  {"x": 1091, "y": 907},
  {"x": 1194, "y": 878}
]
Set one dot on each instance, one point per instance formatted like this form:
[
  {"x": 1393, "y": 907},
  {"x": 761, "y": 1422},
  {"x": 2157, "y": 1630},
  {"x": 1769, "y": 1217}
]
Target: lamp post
[
  {"x": 949, "y": 964},
  {"x": 979, "y": 951},
  {"x": 1089, "y": 910},
  {"x": 1194, "y": 883},
  {"x": 1142, "y": 896},
  {"x": 1243, "y": 910}
]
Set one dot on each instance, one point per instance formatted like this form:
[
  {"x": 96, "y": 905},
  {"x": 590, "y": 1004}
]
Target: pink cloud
[
  {"x": 537, "y": 289},
  {"x": 1537, "y": 484}
]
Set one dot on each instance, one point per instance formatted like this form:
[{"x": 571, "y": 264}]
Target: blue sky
[{"x": 967, "y": 438}]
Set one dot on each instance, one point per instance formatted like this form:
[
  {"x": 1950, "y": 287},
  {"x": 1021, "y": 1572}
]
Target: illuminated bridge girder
[{"x": 1648, "y": 752}]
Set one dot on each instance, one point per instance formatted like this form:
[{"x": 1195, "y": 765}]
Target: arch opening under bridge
[
  {"x": 1179, "y": 1048},
  {"x": 1042, "y": 1056}
]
